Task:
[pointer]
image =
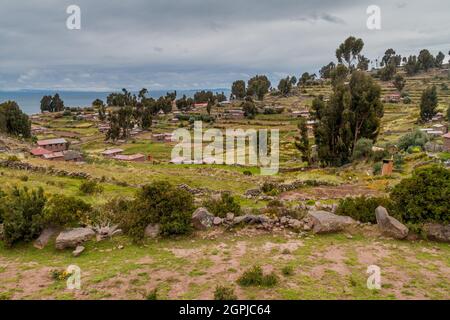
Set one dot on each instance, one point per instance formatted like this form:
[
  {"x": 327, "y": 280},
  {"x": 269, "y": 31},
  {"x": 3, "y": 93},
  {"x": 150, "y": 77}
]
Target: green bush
[
  {"x": 256, "y": 277},
  {"x": 224, "y": 293},
  {"x": 362, "y": 208},
  {"x": 424, "y": 197},
  {"x": 64, "y": 211},
  {"x": 362, "y": 149},
  {"x": 377, "y": 168},
  {"x": 159, "y": 202},
  {"x": 221, "y": 207},
  {"x": 152, "y": 295},
  {"x": 416, "y": 138},
  {"x": 287, "y": 271},
  {"x": 90, "y": 187},
  {"x": 21, "y": 212}
]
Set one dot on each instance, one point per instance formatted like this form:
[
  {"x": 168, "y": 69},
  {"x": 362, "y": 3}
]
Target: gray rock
[
  {"x": 78, "y": 251},
  {"x": 152, "y": 230},
  {"x": 105, "y": 232},
  {"x": 45, "y": 237},
  {"x": 390, "y": 226},
  {"x": 327, "y": 222},
  {"x": 217, "y": 221},
  {"x": 73, "y": 237},
  {"x": 295, "y": 224},
  {"x": 202, "y": 219},
  {"x": 230, "y": 216},
  {"x": 437, "y": 232}
]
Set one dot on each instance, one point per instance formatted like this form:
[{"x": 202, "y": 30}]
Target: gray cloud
[{"x": 165, "y": 44}]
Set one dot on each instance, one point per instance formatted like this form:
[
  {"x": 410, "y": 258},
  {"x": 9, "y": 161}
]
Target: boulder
[
  {"x": 389, "y": 225},
  {"x": 202, "y": 219},
  {"x": 230, "y": 216},
  {"x": 437, "y": 232},
  {"x": 73, "y": 237},
  {"x": 152, "y": 230},
  {"x": 45, "y": 237},
  {"x": 327, "y": 222},
  {"x": 251, "y": 219},
  {"x": 78, "y": 251},
  {"x": 217, "y": 221},
  {"x": 105, "y": 232}
]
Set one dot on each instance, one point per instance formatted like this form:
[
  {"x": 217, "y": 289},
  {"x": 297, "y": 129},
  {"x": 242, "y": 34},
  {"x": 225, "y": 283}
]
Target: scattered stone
[
  {"x": 120, "y": 247},
  {"x": 202, "y": 219},
  {"x": 230, "y": 216},
  {"x": 437, "y": 232},
  {"x": 45, "y": 237},
  {"x": 78, "y": 251},
  {"x": 217, "y": 221},
  {"x": 152, "y": 230},
  {"x": 326, "y": 222},
  {"x": 349, "y": 236},
  {"x": 390, "y": 226},
  {"x": 105, "y": 232},
  {"x": 73, "y": 237}
]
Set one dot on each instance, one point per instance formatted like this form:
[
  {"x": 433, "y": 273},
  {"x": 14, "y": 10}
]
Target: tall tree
[
  {"x": 349, "y": 50},
  {"x": 13, "y": 121},
  {"x": 428, "y": 104},
  {"x": 258, "y": 86},
  {"x": 325, "y": 71},
  {"x": 439, "y": 59},
  {"x": 285, "y": 86},
  {"x": 399, "y": 82},
  {"x": 238, "y": 89},
  {"x": 302, "y": 142},
  {"x": 426, "y": 60},
  {"x": 353, "y": 112}
]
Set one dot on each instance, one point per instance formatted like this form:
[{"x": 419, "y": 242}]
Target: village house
[
  {"x": 438, "y": 117},
  {"x": 74, "y": 156},
  {"x": 234, "y": 114},
  {"x": 39, "y": 152},
  {"x": 446, "y": 138},
  {"x": 440, "y": 127},
  {"x": 110, "y": 153},
  {"x": 138, "y": 157},
  {"x": 392, "y": 98},
  {"x": 388, "y": 167},
  {"x": 200, "y": 105},
  {"x": 54, "y": 145},
  {"x": 103, "y": 128},
  {"x": 54, "y": 156}
]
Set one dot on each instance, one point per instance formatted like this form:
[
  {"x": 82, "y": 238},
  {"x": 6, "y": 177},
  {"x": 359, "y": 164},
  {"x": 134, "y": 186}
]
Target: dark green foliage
[
  {"x": 426, "y": 60},
  {"x": 258, "y": 86},
  {"x": 416, "y": 138},
  {"x": 363, "y": 149},
  {"x": 13, "y": 121},
  {"x": 90, "y": 187},
  {"x": 238, "y": 89},
  {"x": 152, "y": 295},
  {"x": 448, "y": 114},
  {"x": 424, "y": 197},
  {"x": 225, "y": 204},
  {"x": 64, "y": 211},
  {"x": 159, "y": 202},
  {"x": 428, "y": 104},
  {"x": 302, "y": 142},
  {"x": 349, "y": 51},
  {"x": 285, "y": 86},
  {"x": 224, "y": 293},
  {"x": 399, "y": 82},
  {"x": 362, "y": 208},
  {"x": 21, "y": 210},
  {"x": 249, "y": 109},
  {"x": 287, "y": 271},
  {"x": 256, "y": 277},
  {"x": 353, "y": 112},
  {"x": 377, "y": 168},
  {"x": 325, "y": 71},
  {"x": 52, "y": 104}
]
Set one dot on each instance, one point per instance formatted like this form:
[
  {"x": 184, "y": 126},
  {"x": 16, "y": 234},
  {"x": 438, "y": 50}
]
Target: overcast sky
[{"x": 190, "y": 44}]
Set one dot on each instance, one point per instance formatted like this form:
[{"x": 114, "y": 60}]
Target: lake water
[{"x": 29, "y": 101}]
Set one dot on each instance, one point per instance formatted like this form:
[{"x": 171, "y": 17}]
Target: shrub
[
  {"x": 152, "y": 295},
  {"x": 247, "y": 173},
  {"x": 90, "y": 187},
  {"x": 416, "y": 138},
  {"x": 362, "y": 208},
  {"x": 269, "y": 187},
  {"x": 362, "y": 149},
  {"x": 64, "y": 211},
  {"x": 377, "y": 168},
  {"x": 24, "y": 178},
  {"x": 225, "y": 204},
  {"x": 287, "y": 271},
  {"x": 21, "y": 210},
  {"x": 255, "y": 277},
  {"x": 224, "y": 293},
  {"x": 162, "y": 203},
  {"x": 424, "y": 197}
]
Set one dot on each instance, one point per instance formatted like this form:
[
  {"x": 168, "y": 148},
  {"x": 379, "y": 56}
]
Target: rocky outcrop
[
  {"x": 73, "y": 237},
  {"x": 202, "y": 219},
  {"x": 390, "y": 226},
  {"x": 250, "y": 219},
  {"x": 18, "y": 165},
  {"x": 327, "y": 222},
  {"x": 78, "y": 251},
  {"x": 152, "y": 230},
  {"x": 106, "y": 232},
  {"x": 45, "y": 237},
  {"x": 437, "y": 232}
]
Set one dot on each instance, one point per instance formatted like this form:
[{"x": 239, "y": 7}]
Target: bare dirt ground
[
  {"x": 324, "y": 267},
  {"x": 328, "y": 192}
]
